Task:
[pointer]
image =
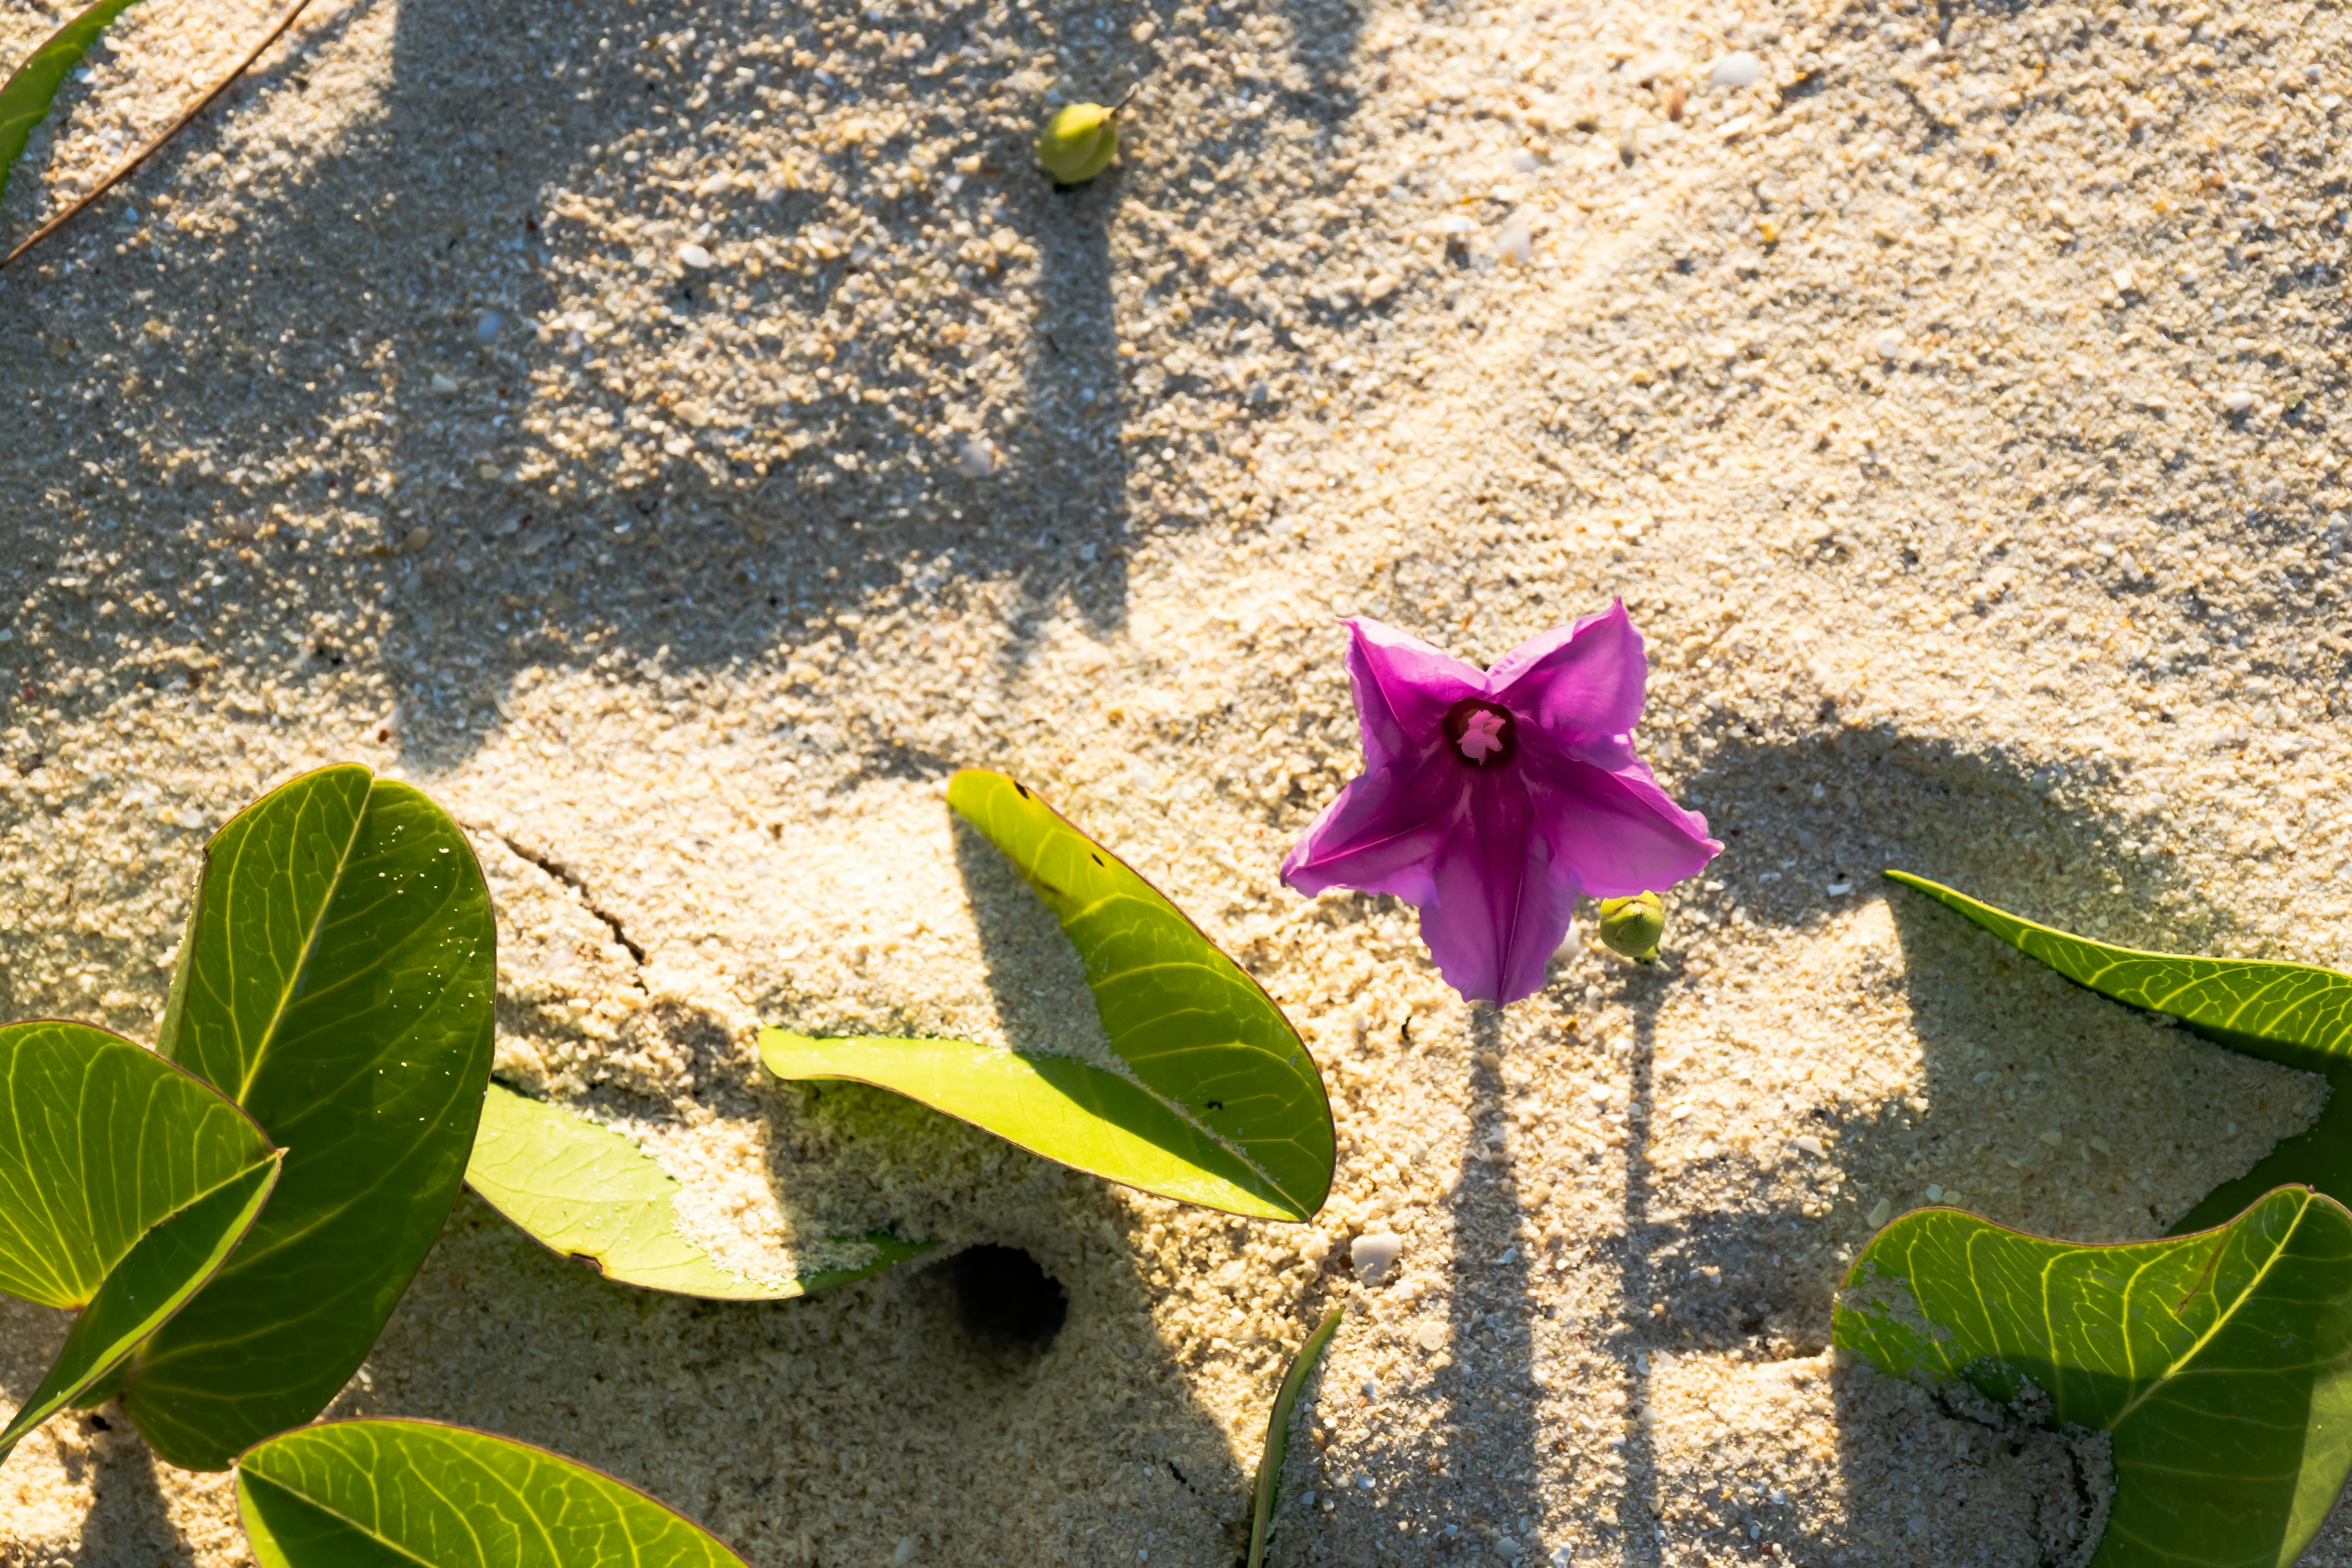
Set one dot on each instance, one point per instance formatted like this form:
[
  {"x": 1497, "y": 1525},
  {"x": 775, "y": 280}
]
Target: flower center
[{"x": 1480, "y": 732}]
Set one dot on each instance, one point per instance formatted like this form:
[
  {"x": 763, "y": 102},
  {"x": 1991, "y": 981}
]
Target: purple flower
[{"x": 1492, "y": 799}]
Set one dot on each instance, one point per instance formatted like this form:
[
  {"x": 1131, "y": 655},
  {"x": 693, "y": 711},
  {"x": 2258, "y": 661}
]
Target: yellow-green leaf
[
  {"x": 26, "y": 97},
  {"x": 336, "y": 980},
  {"x": 1277, "y": 1434},
  {"x": 589, "y": 1193},
  {"x": 125, "y": 1183},
  {"x": 1215, "y": 1100},
  {"x": 377, "y": 1493},
  {"x": 2297, "y": 1014},
  {"x": 2220, "y": 1364}
]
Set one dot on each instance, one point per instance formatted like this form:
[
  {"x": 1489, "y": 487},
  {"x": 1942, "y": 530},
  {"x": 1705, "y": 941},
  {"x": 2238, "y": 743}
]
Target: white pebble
[
  {"x": 1809, "y": 1144},
  {"x": 906, "y": 1552},
  {"x": 1430, "y": 1335},
  {"x": 488, "y": 325},
  {"x": 1629, "y": 140},
  {"x": 1935, "y": 1193},
  {"x": 1371, "y": 1391},
  {"x": 2238, "y": 401},
  {"x": 1506, "y": 1547},
  {"x": 1374, "y": 1253},
  {"x": 978, "y": 459},
  {"x": 694, "y": 256},
  {"x": 1880, "y": 1213},
  {"x": 1888, "y": 343},
  {"x": 1838, "y": 890},
  {"x": 1514, "y": 246},
  {"x": 1738, "y": 68},
  {"x": 443, "y": 383},
  {"x": 1524, "y": 161},
  {"x": 1455, "y": 223}
]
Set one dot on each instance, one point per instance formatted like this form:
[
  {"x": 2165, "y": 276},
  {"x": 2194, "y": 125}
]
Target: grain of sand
[{"x": 1956, "y": 407}]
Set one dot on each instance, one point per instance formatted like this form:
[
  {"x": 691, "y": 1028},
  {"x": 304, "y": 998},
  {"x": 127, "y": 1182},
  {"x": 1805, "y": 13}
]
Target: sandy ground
[{"x": 1956, "y": 407}]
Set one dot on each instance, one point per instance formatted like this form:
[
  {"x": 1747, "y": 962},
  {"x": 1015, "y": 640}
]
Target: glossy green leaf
[
  {"x": 125, "y": 1182},
  {"x": 1277, "y": 1434},
  {"x": 2296, "y": 1015},
  {"x": 155, "y": 1279},
  {"x": 2220, "y": 1364},
  {"x": 26, "y": 97},
  {"x": 1219, "y": 1104},
  {"x": 589, "y": 1193},
  {"x": 336, "y": 979},
  {"x": 414, "y": 1494}
]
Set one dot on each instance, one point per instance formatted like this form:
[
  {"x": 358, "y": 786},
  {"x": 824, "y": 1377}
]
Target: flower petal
[
  {"x": 1622, "y": 832},
  {"x": 1403, "y": 688},
  {"x": 1581, "y": 685},
  {"x": 1503, "y": 897},
  {"x": 1382, "y": 833}
]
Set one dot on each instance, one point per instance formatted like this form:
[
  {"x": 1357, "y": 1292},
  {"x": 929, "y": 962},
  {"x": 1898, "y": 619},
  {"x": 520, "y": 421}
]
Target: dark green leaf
[
  {"x": 124, "y": 1183},
  {"x": 589, "y": 1193},
  {"x": 2220, "y": 1364},
  {"x": 416, "y": 1494},
  {"x": 1277, "y": 1434},
  {"x": 1219, "y": 1103},
  {"x": 336, "y": 979},
  {"x": 2296, "y": 1015},
  {"x": 26, "y": 97}
]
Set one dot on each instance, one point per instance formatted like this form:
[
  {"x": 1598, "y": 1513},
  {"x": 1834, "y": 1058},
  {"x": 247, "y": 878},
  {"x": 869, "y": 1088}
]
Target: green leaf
[
  {"x": 336, "y": 979},
  {"x": 2296, "y": 1015},
  {"x": 2220, "y": 1364},
  {"x": 1219, "y": 1103},
  {"x": 589, "y": 1193},
  {"x": 26, "y": 97},
  {"x": 1277, "y": 1434},
  {"x": 378, "y": 1493},
  {"x": 155, "y": 1279},
  {"x": 124, "y": 1183}
]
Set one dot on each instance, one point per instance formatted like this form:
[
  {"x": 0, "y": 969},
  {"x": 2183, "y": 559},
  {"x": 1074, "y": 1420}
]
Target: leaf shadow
[
  {"x": 1987, "y": 1093},
  {"x": 129, "y": 1517},
  {"x": 451, "y": 342},
  {"x": 1035, "y": 975},
  {"x": 927, "y": 1409}
]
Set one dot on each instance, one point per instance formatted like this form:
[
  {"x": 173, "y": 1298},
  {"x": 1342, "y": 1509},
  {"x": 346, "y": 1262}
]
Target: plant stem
[{"x": 124, "y": 168}]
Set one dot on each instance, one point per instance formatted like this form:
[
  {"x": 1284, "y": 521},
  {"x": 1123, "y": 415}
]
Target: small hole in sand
[{"x": 1002, "y": 1297}]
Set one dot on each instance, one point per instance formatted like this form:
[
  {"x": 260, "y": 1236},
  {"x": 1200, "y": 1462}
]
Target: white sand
[{"x": 1892, "y": 394}]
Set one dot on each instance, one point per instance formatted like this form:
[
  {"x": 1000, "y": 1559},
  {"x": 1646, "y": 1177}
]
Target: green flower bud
[
  {"x": 1633, "y": 926},
  {"x": 1077, "y": 142}
]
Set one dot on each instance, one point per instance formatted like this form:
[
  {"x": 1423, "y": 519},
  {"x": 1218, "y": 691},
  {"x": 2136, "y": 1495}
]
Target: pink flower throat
[{"x": 1480, "y": 732}]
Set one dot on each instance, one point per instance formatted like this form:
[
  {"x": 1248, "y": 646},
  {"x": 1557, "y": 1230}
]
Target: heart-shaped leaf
[
  {"x": 378, "y": 1493},
  {"x": 1277, "y": 1434},
  {"x": 2220, "y": 1364},
  {"x": 336, "y": 980},
  {"x": 589, "y": 1193},
  {"x": 1218, "y": 1103},
  {"x": 2296, "y": 1015},
  {"x": 125, "y": 1182}
]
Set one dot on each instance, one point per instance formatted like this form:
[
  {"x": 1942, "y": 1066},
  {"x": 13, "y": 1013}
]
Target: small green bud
[
  {"x": 1633, "y": 926},
  {"x": 1077, "y": 142}
]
